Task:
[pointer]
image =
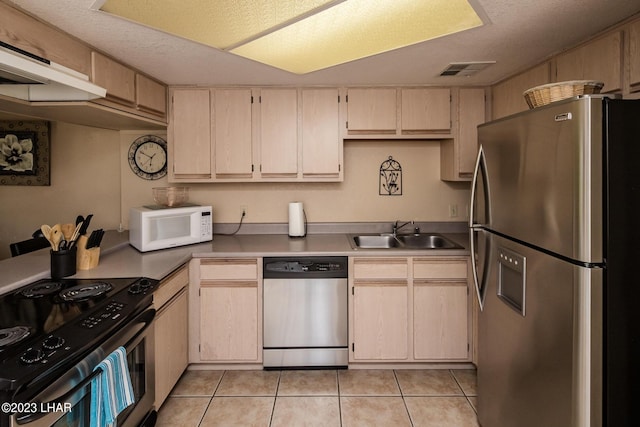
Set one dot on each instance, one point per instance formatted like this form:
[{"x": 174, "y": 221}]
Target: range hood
[{"x": 32, "y": 78}]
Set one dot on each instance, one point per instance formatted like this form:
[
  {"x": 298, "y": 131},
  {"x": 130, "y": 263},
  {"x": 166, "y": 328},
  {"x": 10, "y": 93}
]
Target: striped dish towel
[{"x": 111, "y": 390}]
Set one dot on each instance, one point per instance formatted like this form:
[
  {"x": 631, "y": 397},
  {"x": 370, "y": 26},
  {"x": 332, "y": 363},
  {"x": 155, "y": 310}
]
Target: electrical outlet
[
  {"x": 453, "y": 211},
  {"x": 244, "y": 211}
]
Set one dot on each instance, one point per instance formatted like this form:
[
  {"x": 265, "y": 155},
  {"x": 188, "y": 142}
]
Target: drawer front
[
  {"x": 440, "y": 269},
  {"x": 380, "y": 268},
  {"x": 170, "y": 287},
  {"x": 229, "y": 269}
]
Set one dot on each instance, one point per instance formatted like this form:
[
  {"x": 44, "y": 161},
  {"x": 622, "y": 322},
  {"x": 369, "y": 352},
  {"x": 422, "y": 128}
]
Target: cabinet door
[
  {"x": 118, "y": 79},
  {"x": 597, "y": 60},
  {"x": 380, "y": 329},
  {"x": 151, "y": 96},
  {"x": 229, "y": 322},
  {"x": 426, "y": 110},
  {"x": 321, "y": 141},
  {"x": 171, "y": 346},
  {"x": 634, "y": 56},
  {"x": 507, "y": 95},
  {"x": 189, "y": 134},
  {"x": 232, "y": 133},
  {"x": 278, "y": 132},
  {"x": 372, "y": 111},
  {"x": 440, "y": 321}
]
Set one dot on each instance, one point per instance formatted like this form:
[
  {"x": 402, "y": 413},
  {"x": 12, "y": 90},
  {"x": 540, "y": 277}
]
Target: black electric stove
[{"x": 48, "y": 326}]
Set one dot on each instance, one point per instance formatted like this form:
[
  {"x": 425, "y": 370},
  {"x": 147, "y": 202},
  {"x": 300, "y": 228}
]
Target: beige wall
[{"x": 90, "y": 174}]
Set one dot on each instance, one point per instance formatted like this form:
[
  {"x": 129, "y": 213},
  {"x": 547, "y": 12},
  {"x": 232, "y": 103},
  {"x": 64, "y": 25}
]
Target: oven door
[{"x": 67, "y": 401}]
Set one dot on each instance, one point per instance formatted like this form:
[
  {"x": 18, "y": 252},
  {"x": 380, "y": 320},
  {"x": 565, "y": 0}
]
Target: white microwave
[{"x": 154, "y": 227}]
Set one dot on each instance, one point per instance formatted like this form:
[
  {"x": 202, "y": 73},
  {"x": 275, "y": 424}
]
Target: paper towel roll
[{"x": 296, "y": 220}]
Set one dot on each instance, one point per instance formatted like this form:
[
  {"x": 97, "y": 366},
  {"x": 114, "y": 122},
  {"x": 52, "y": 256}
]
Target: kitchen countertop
[{"x": 119, "y": 259}]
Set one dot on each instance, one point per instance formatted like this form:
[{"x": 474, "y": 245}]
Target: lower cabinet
[
  {"x": 171, "y": 332},
  {"x": 409, "y": 309},
  {"x": 230, "y": 311}
]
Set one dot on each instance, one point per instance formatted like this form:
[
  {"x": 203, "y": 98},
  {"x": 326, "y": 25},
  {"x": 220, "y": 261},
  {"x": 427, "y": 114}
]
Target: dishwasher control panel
[{"x": 336, "y": 267}]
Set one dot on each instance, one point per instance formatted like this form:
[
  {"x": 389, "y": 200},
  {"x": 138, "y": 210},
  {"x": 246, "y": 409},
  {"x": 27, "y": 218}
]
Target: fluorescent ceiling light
[{"x": 302, "y": 36}]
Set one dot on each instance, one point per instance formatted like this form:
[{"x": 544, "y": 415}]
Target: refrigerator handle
[
  {"x": 475, "y": 228},
  {"x": 474, "y": 183}
]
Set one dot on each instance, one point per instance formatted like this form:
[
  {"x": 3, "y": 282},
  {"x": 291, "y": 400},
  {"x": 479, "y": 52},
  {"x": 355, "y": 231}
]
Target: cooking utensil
[
  {"x": 56, "y": 236},
  {"x": 85, "y": 224},
  {"x": 95, "y": 238},
  {"x": 46, "y": 231},
  {"x": 67, "y": 231},
  {"x": 74, "y": 236}
]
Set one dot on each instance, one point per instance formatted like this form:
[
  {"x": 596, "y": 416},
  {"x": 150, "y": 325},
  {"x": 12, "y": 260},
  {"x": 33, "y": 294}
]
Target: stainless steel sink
[
  {"x": 402, "y": 241},
  {"x": 427, "y": 241},
  {"x": 384, "y": 241}
]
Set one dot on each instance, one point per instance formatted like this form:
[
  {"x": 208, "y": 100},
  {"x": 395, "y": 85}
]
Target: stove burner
[
  {"x": 85, "y": 291},
  {"x": 41, "y": 289},
  {"x": 13, "y": 335}
]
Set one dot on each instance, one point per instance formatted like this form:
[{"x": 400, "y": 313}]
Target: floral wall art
[{"x": 24, "y": 153}]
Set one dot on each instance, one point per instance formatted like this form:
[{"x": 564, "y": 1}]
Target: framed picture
[{"x": 25, "y": 154}]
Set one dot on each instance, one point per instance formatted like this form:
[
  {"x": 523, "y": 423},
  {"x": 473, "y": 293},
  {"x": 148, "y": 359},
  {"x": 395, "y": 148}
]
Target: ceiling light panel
[
  {"x": 218, "y": 23},
  {"x": 302, "y": 36}
]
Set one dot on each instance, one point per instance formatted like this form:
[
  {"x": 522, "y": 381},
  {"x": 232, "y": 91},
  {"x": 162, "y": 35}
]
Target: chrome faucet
[{"x": 397, "y": 227}]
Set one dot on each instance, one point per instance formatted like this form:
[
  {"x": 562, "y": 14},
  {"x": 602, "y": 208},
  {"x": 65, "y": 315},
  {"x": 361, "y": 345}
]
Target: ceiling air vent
[{"x": 465, "y": 68}]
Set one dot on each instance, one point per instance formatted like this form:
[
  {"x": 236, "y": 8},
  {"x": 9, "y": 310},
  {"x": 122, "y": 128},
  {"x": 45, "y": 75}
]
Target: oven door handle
[{"x": 145, "y": 317}]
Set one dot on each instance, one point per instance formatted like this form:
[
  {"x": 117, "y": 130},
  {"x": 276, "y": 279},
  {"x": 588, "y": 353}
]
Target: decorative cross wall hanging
[{"x": 390, "y": 178}]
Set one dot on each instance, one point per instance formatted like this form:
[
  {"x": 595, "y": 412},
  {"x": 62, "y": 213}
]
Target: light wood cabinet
[
  {"x": 118, "y": 79},
  {"x": 151, "y": 95},
  {"x": 458, "y": 155},
  {"x": 380, "y": 322},
  {"x": 634, "y": 56},
  {"x": 406, "y": 309},
  {"x": 230, "y": 311},
  {"x": 189, "y": 135},
  {"x": 440, "y": 307},
  {"x": 232, "y": 133},
  {"x": 171, "y": 332},
  {"x": 425, "y": 110},
  {"x": 507, "y": 95},
  {"x": 599, "y": 60},
  {"x": 371, "y": 111},
  {"x": 398, "y": 113},
  {"x": 278, "y": 132},
  {"x": 321, "y": 144}
]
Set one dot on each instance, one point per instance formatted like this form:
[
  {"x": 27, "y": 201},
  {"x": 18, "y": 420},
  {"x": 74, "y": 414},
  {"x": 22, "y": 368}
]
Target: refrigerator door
[
  {"x": 544, "y": 172},
  {"x": 538, "y": 341}
]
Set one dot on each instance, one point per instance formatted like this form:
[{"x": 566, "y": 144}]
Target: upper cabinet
[
  {"x": 398, "y": 112},
  {"x": 458, "y": 154},
  {"x": 371, "y": 111},
  {"x": 321, "y": 144},
  {"x": 507, "y": 95},
  {"x": 260, "y": 134},
  {"x": 634, "y": 56},
  {"x": 232, "y": 133},
  {"x": 425, "y": 110},
  {"x": 128, "y": 89},
  {"x": 599, "y": 60},
  {"x": 189, "y": 135},
  {"x": 134, "y": 101}
]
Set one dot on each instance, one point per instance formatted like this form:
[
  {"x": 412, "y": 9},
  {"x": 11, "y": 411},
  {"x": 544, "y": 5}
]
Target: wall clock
[{"x": 148, "y": 157}]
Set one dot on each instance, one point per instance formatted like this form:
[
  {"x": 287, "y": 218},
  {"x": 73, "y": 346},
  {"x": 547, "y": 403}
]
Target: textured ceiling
[{"x": 517, "y": 34}]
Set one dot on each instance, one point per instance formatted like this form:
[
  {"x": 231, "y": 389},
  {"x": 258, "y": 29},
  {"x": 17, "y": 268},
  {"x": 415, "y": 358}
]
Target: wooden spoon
[
  {"x": 56, "y": 236},
  {"x": 46, "y": 231},
  {"x": 67, "y": 231}
]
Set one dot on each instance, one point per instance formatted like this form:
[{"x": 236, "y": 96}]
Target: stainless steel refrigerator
[{"x": 555, "y": 232}]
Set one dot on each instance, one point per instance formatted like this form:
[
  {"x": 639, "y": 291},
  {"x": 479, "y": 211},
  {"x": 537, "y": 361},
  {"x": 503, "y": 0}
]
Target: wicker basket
[{"x": 545, "y": 94}]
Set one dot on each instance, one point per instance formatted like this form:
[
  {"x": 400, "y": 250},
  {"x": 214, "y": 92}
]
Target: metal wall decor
[
  {"x": 25, "y": 155},
  {"x": 390, "y": 178}
]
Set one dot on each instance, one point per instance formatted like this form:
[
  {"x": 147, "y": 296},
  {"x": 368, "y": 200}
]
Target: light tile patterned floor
[{"x": 419, "y": 398}]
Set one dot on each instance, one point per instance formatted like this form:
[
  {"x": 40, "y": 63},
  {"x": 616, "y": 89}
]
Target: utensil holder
[
  {"x": 63, "y": 263},
  {"x": 87, "y": 258}
]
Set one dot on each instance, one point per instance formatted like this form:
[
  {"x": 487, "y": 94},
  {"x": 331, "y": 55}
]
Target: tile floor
[{"x": 442, "y": 398}]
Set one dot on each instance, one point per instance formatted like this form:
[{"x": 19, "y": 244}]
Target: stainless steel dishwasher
[{"x": 305, "y": 312}]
